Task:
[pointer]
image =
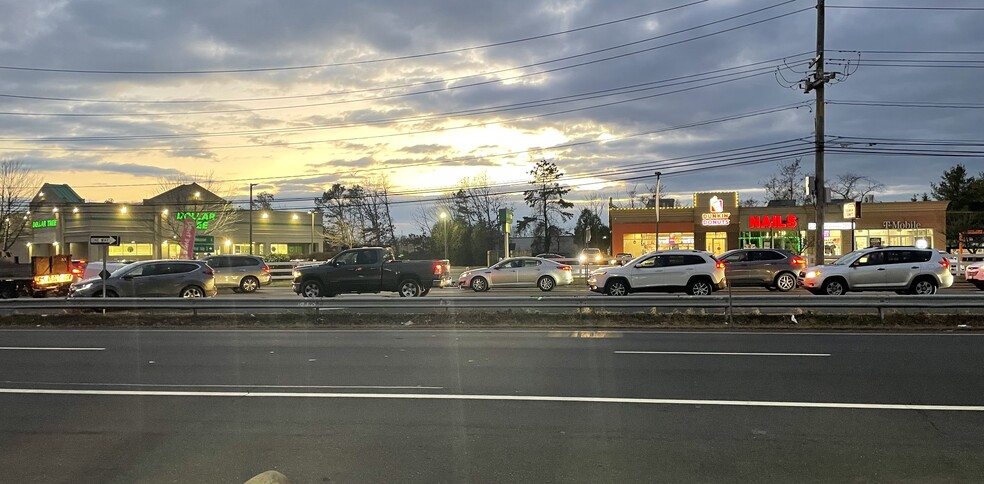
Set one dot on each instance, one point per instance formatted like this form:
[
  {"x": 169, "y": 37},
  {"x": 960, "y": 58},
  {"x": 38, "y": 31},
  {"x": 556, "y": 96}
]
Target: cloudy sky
[{"x": 112, "y": 95}]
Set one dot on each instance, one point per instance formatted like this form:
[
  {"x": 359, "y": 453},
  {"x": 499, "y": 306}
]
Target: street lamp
[
  {"x": 251, "y": 185},
  {"x": 444, "y": 217},
  {"x": 656, "y": 198},
  {"x": 313, "y": 249}
]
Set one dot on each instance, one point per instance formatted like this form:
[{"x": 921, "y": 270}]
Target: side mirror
[
  {"x": 127, "y": 277},
  {"x": 855, "y": 264}
]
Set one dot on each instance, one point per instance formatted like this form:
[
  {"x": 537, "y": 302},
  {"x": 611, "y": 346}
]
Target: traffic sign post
[
  {"x": 105, "y": 241},
  {"x": 205, "y": 243}
]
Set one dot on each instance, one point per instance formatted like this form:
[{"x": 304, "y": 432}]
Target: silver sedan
[{"x": 517, "y": 272}]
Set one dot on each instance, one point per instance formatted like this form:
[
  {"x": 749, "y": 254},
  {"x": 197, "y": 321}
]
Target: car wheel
[
  {"x": 978, "y": 284},
  {"x": 785, "y": 282},
  {"x": 109, "y": 293},
  {"x": 833, "y": 287},
  {"x": 699, "y": 287},
  {"x": 924, "y": 287},
  {"x": 311, "y": 289},
  {"x": 192, "y": 291},
  {"x": 546, "y": 283},
  {"x": 249, "y": 284},
  {"x": 409, "y": 288},
  {"x": 479, "y": 284},
  {"x": 616, "y": 288}
]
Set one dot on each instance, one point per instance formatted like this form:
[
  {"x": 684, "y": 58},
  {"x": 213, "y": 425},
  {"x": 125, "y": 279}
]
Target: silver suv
[
  {"x": 153, "y": 278},
  {"x": 906, "y": 270},
  {"x": 241, "y": 273},
  {"x": 697, "y": 272}
]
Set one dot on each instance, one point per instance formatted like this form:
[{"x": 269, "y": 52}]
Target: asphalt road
[{"x": 490, "y": 406}]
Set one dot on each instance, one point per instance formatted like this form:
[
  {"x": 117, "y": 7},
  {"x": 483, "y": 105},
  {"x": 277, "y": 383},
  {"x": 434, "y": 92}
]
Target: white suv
[
  {"x": 697, "y": 272},
  {"x": 906, "y": 270}
]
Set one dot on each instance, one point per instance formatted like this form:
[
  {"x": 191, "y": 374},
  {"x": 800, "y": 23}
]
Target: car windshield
[
  {"x": 123, "y": 270},
  {"x": 847, "y": 258}
]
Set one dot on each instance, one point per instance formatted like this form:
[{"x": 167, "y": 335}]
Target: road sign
[
  {"x": 852, "y": 210},
  {"x": 204, "y": 243},
  {"x": 104, "y": 240}
]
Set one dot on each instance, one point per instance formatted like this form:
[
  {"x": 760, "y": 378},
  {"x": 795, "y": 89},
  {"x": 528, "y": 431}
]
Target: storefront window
[
  {"x": 832, "y": 242},
  {"x": 278, "y": 248},
  {"x": 131, "y": 250},
  {"x": 639, "y": 244},
  {"x": 780, "y": 239},
  {"x": 716, "y": 242},
  {"x": 883, "y": 238}
]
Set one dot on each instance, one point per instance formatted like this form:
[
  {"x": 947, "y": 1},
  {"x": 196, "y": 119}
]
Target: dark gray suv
[
  {"x": 241, "y": 273},
  {"x": 771, "y": 268},
  {"x": 152, "y": 278}
]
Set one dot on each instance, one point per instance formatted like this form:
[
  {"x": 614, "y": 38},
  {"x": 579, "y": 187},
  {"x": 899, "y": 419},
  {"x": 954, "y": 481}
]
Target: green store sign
[
  {"x": 41, "y": 224},
  {"x": 201, "y": 218}
]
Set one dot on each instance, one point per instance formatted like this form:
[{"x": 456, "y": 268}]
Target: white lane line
[
  {"x": 48, "y": 348},
  {"x": 709, "y": 332},
  {"x": 718, "y": 353},
  {"x": 512, "y": 398},
  {"x": 244, "y": 385}
]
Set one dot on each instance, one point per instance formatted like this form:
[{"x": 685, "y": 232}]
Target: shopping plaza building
[
  {"x": 62, "y": 223},
  {"x": 717, "y": 223}
]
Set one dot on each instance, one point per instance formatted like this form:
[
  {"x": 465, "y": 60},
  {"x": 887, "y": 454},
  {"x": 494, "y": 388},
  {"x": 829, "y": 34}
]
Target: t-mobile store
[{"x": 716, "y": 223}]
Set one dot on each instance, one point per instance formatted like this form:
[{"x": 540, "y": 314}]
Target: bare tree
[
  {"x": 852, "y": 186},
  {"x": 17, "y": 185},
  {"x": 749, "y": 202},
  {"x": 788, "y": 183}
]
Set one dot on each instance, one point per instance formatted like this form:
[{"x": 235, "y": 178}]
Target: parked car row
[
  {"x": 905, "y": 270},
  {"x": 173, "y": 277}
]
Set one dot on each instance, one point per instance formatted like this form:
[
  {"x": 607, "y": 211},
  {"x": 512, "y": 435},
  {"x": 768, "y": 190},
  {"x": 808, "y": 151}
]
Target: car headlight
[
  {"x": 597, "y": 258},
  {"x": 295, "y": 274},
  {"x": 812, "y": 274},
  {"x": 83, "y": 287},
  {"x": 582, "y": 258}
]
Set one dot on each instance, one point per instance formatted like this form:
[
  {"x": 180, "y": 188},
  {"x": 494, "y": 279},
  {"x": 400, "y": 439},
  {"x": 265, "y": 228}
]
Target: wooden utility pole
[{"x": 816, "y": 84}]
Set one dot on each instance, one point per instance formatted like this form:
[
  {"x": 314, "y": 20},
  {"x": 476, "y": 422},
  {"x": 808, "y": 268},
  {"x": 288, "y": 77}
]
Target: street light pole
[
  {"x": 312, "y": 231},
  {"x": 444, "y": 217},
  {"x": 251, "y": 185},
  {"x": 656, "y": 199}
]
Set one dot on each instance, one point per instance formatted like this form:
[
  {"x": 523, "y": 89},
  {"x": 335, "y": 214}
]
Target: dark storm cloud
[{"x": 186, "y": 35}]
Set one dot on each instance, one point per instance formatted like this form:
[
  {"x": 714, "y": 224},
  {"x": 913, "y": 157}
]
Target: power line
[
  {"x": 908, "y": 104},
  {"x": 335, "y": 140},
  {"x": 730, "y": 77},
  {"x": 903, "y": 7},
  {"x": 462, "y": 86},
  {"x": 362, "y": 62}
]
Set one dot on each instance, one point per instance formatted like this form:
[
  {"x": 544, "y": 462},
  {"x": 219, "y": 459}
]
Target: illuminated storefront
[
  {"x": 716, "y": 223},
  {"x": 62, "y": 223}
]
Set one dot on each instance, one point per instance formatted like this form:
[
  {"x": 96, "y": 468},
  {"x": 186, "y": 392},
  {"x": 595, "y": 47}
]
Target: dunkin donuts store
[{"x": 717, "y": 223}]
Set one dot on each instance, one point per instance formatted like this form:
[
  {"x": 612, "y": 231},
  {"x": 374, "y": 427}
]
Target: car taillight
[
  {"x": 565, "y": 268},
  {"x": 209, "y": 271},
  {"x": 720, "y": 264},
  {"x": 945, "y": 263},
  {"x": 76, "y": 271},
  {"x": 266, "y": 268},
  {"x": 798, "y": 261},
  {"x": 438, "y": 269}
]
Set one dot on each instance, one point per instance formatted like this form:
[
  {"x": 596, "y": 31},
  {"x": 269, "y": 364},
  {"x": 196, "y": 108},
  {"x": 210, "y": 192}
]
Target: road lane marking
[
  {"x": 512, "y": 398},
  {"x": 244, "y": 385},
  {"x": 719, "y": 353},
  {"x": 48, "y": 348}
]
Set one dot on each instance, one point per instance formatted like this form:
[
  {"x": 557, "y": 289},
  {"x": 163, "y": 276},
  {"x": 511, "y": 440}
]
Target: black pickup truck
[{"x": 370, "y": 269}]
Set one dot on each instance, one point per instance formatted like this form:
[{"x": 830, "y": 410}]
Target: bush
[{"x": 277, "y": 258}]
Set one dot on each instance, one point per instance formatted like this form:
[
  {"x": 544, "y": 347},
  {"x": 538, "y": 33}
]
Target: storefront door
[{"x": 716, "y": 242}]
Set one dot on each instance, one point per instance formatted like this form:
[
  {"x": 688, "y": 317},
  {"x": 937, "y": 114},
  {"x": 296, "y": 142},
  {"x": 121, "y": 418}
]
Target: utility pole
[{"x": 816, "y": 84}]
